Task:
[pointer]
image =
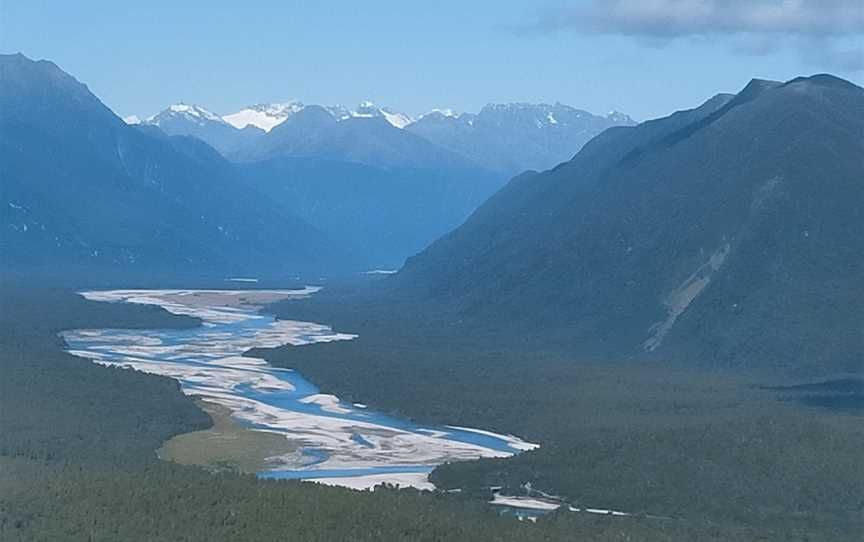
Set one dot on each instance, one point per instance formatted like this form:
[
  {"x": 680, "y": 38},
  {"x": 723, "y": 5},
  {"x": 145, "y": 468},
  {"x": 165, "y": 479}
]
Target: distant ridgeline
[
  {"x": 84, "y": 192},
  {"x": 502, "y": 138},
  {"x": 728, "y": 233},
  {"x": 311, "y": 189},
  {"x": 381, "y": 182}
]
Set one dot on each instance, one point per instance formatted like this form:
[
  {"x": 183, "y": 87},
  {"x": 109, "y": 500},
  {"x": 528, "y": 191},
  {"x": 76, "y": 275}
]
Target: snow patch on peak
[
  {"x": 339, "y": 112},
  {"x": 132, "y": 119},
  {"x": 367, "y": 109},
  {"x": 263, "y": 116},
  {"x": 191, "y": 113},
  {"x": 397, "y": 119},
  {"x": 283, "y": 108},
  {"x": 194, "y": 111},
  {"x": 616, "y": 116},
  {"x": 446, "y": 112}
]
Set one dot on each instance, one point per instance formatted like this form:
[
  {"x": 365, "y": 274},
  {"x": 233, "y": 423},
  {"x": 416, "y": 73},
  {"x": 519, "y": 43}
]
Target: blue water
[
  {"x": 341, "y": 473},
  {"x": 195, "y": 356}
]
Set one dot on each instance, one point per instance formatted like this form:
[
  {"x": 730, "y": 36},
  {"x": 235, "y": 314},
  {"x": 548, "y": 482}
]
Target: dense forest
[
  {"x": 652, "y": 332},
  {"x": 650, "y": 438},
  {"x": 77, "y": 460}
]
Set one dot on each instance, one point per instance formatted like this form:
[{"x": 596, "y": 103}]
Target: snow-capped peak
[
  {"x": 193, "y": 113},
  {"x": 263, "y": 116},
  {"x": 132, "y": 119},
  {"x": 446, "y": 112},
  {"x": 367, "y": 109},
  {"x": 397, "y": 119}
]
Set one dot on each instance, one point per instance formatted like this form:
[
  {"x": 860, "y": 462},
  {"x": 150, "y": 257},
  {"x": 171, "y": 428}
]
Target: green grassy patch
[{"x": 228, "y": 445}]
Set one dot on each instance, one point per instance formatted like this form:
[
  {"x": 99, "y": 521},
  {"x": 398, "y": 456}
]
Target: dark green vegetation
[
  {"x": 77, "y": 460},
  {"x": 712, "y": 448},
  {"x": 82, "y": 189},
  {"x": 725, "y": 235},
  {"x": 581, "y": 308},
  {"x": 49, "y": 411},
  {"x": 845, "y": 394},
  {"x": 162, "y": 503}
]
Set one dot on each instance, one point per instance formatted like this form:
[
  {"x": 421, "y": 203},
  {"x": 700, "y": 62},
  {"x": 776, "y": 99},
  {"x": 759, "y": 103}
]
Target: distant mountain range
[
  {"x": 325, "y": 190},
  {"x": 503, "y": 138},
  {"x": 82, "y": 192},
  {"x": 512, "y": 138},
  {"x": 382, "y": 191},
  {"x": 384, "y": 182},
  {"x": 730, "y": 234}
]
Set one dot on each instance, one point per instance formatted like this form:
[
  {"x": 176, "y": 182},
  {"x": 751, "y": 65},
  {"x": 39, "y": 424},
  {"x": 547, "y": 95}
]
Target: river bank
[{"x": 330, "y": 440}]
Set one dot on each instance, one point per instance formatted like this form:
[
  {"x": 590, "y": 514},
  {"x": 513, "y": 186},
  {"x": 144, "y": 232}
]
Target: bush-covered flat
[
  {"x": 648, "y": 438},
  {"x": 78, "y": 460}
]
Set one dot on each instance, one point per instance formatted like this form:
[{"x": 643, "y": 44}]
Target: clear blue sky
[{"x": 141, "y": 56}]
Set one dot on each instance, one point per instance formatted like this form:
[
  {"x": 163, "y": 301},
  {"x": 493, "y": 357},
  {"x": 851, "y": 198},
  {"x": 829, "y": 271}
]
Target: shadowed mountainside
[
  {"x": 727, "y": 234},
  {"x": 82, "y": 188}
]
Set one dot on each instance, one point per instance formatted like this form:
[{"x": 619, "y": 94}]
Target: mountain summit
[
  {"x": 263, "y": 116},
  {"x": 503, "y": 138},
  {"x": 196, "y": 121}
]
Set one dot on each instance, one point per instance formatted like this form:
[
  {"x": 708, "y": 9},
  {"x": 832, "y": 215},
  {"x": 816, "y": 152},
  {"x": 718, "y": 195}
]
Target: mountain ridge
[
  {"x": 642, "y": 235},
  {"x": 503, "y": 137},
  {"x": 82, "y": 187}
]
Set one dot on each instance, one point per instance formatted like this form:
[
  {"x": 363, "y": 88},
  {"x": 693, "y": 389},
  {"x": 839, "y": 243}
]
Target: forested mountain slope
[{"x": 729, "y": 234}]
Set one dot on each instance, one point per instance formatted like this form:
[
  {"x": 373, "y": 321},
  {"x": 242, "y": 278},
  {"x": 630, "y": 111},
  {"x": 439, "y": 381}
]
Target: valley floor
[
  {"x": 656, "y": 439},
  {"x": 721, "y": 459}
]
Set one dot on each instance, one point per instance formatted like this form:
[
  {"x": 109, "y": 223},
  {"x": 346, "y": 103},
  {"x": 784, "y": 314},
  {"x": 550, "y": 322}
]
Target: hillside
[
  {"x": 314, "y": 132},
  {"x": 83, "y": 192},
  {"x": 727, "y": 234},
  {"x": 383, "y": 214}
]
